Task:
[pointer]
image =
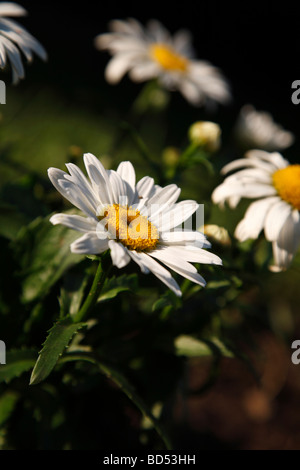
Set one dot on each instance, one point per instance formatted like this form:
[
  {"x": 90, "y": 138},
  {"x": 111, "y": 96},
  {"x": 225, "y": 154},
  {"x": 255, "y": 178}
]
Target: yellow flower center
[
  {"x": 287, "y": 183},
  {"x": 129, "y": 227},
  {"x": 167, "y": 58}
]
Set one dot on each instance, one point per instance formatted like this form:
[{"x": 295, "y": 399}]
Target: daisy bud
[
  {"x": 217, "y": 234},
  {"x": 206, "y": 134},
  {"x": 170, "y": 156}
]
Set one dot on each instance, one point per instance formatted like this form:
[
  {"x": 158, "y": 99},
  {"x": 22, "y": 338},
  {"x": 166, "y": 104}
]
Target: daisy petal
[
  {"x": 78, "y": 178},
  {"x": 119, "y": 254},
  {"x": 162, "y": 200},
  {"x": 275, "y": 219},
  {"x": 75, "y": 222},
  {"x": 187, "y": 273},
  {"x": 11, "y": 9},
  {"x": 137, "y": 259},
  {"x": 145, "y": 187},
  {"x": 160, "y": 272},
  {"x": 184, "y": 237},
  {"x": 189, "y": 253},
  {"x": 89, "y": 244},
  {"x": 69, "y": 190},
  {"x": 117, "y": 67},
  {"x": 99, "y": 178},
  {"x": 176, "y": 216},
  {"x": 118, "y": 188},
  {"x": 253, "y": 222},
  {"x": 287, "y": 244},
  {"x": 126, "y": 171}
]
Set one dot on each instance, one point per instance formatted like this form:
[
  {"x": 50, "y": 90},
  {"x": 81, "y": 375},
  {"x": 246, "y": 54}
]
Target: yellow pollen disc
[
  {"x": 287, "y": 183},
  {"x": 127, "y": 226},
  {"x": 167, "y": 58}
]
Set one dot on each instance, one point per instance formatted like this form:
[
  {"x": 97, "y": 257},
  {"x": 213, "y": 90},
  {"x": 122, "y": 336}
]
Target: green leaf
[
  {"x": 17, "y": 362},
  {"x": 55, "y": 344},
  {"x": 43, "y": 251},
  {"x": 115, "y": 285},
  {"x": 8, "y": 401},
  {"x": 71, "y": 295},
  {"x": 160, "y": 304},
  {"x": 218, "y": 284},
  {"x": 166, "y": 300},
  {"x": 188, "y": 346}
]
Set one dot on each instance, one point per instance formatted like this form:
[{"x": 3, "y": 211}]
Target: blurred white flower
[
  {"x": 15, "y": 39},
  {"x": 276, "y": 184},
  {"x": 151, "y": 52},
  {"x": 257, "y": 129},
  {"x": 134, "y": 221}
]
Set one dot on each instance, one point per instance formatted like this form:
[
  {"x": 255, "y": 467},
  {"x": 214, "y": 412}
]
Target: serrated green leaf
[
  {"x": 116, "y": 285},
  {"x": 188, "y": 346},
  {"x": 43, "y": 251},
  {"x": 57, "y": 340},
  {"x": 17, "y": 362}
]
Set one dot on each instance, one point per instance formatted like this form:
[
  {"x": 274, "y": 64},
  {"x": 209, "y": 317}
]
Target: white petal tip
[
  {"x": 178, "y": 293},
  {"x": 276, "y": 269},
  {"x": 54, "y": 220}
]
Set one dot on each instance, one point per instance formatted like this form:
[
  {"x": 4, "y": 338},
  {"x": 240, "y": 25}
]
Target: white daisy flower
[
  {"x": 275, "y": 183},
  {"x": 134, "y": 221},
  {"x": 151, "y": 52},
  {"x": 15, "y": 39},
  {"x": 257, "y": 129}
]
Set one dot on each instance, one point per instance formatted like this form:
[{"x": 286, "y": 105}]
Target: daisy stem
[
  {"x": 189, "y": 151},
  {"x": 97, "y": 285}
]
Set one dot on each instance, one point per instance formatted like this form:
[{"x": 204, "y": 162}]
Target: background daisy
[
  {"x": 15, "y": 39},
  {"x": 257, "y": 129},
  {"x": 270, "y": 179},
  {"x": 151, "y": 52}
]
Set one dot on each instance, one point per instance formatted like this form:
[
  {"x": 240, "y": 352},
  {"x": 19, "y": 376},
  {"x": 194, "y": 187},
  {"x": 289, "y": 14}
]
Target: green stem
[
  {"x": 129, "y": 390},
  {"x": 192, "y": 147},
  {"x": 98, "y": 282}
]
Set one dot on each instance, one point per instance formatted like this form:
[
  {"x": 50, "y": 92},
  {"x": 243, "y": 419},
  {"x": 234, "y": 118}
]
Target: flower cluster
[{"x": 152, "y": 53}]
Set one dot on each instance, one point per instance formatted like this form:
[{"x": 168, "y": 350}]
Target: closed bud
[
  {"x": 206, "y": 134},
  {"x": 216, "y": 234},
  {"x": 170, "y": 156}
]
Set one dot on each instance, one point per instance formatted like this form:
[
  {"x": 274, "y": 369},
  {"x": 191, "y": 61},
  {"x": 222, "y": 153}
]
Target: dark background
[{"x": 254, "y": 43}]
